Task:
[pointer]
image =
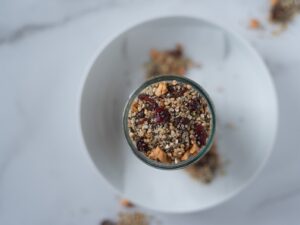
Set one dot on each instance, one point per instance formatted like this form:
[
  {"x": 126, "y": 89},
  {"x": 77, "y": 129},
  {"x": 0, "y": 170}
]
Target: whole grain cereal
[{"x": 169, "y": 121}]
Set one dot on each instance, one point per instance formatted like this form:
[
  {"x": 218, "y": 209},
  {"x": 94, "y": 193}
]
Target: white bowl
[{"x": 235, "y": 77}]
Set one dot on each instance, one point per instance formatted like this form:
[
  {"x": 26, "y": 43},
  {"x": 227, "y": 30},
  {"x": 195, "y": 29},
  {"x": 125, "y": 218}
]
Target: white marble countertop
[{"x": 45, "y": 175}]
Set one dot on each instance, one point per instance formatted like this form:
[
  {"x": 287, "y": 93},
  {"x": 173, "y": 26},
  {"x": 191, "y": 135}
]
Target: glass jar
[{"x": 203, "y": 150}]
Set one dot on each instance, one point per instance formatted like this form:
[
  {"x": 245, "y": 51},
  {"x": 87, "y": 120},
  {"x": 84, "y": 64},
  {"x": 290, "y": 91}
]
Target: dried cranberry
[
  {"x": 140, "y": 114},
  {"x": 194, "y": 105},
  {"x": 162, "y": 115},
  {"x": 141, "y": 121},
  {"x": 150, "y": 103},
  {"x": 142, "y": 146},
  {"x": 174, "y": 92},
  {"x": 201, "y": 135},
  {"x": 144, "y": 97},
  {"x": 178, "y": 121},
  {"x": 171, "y": 89}
]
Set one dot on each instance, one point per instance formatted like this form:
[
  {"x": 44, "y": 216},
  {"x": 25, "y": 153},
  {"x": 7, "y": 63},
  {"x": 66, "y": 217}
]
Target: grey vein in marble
[
  {"x": 30, "y": 29},
  {"x": 278, "y": 198}
]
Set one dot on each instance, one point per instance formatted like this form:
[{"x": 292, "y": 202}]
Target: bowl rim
[{"x": 214, "y": 23}]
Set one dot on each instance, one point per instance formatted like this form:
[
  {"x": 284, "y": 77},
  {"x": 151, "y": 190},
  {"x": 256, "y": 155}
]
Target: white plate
[{"x": 236, "y": 79}]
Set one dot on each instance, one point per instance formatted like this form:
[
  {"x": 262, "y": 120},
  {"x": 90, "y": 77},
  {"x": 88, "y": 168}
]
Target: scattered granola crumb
[
  {"x": 207, "y": 167},
  {"x": 168, "y": 62},
  {"x": 283, "y": 11},
  {"x": 136, "y": 218},
  {"x": 255, "y": 24},
  {"x": 126, "y": 203}
]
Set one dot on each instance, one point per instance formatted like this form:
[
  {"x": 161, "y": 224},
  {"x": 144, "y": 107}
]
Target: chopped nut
[
  {"x": 254, "y": 24},
  {"x": 185, "y": 156},
  {"x": 158, "y": 154},
  {"x": 194, "y": 149},
  {"x": 161, "y": 89},
  {"x": 134, "y": 107},
  {"x": 126, "y": 203}
]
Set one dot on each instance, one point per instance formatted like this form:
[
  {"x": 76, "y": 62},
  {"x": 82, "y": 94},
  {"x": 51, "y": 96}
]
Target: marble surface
[{"x": 46, "y": 177}]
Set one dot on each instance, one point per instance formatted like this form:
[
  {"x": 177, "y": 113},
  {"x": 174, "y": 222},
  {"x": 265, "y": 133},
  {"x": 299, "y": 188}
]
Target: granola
[
  {"x": 207, "y": 167},
  {"x": 135, "y": 218},
  {"x": 168, "y": 62},
  {"x": 169, "y": 121},
  {"x": 283, "y": 11}
]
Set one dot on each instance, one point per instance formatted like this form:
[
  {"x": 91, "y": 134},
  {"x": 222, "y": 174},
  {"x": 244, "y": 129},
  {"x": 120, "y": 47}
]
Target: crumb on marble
[
  {"x": 126, "y": 203},
  {"x": 125, "y": 218},
  {"x": 255, "y": 24}
]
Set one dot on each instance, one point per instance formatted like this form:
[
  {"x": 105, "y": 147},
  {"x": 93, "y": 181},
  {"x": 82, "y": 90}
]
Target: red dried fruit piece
[
  {"x": 150, "y": 103},
  {"x": 162, "y": 115},
  {"x": 178, "y": 121},
  {"x": 144, "y": 97},
  {"x": 141, "y": 121},
  {"x": 140, "y": 114},
  {"x": 174, "y": 92},
  {"x": 201, "y": 135},
  {"x": 194, "y": 105},
  {"x": 142, "y": 146}
]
